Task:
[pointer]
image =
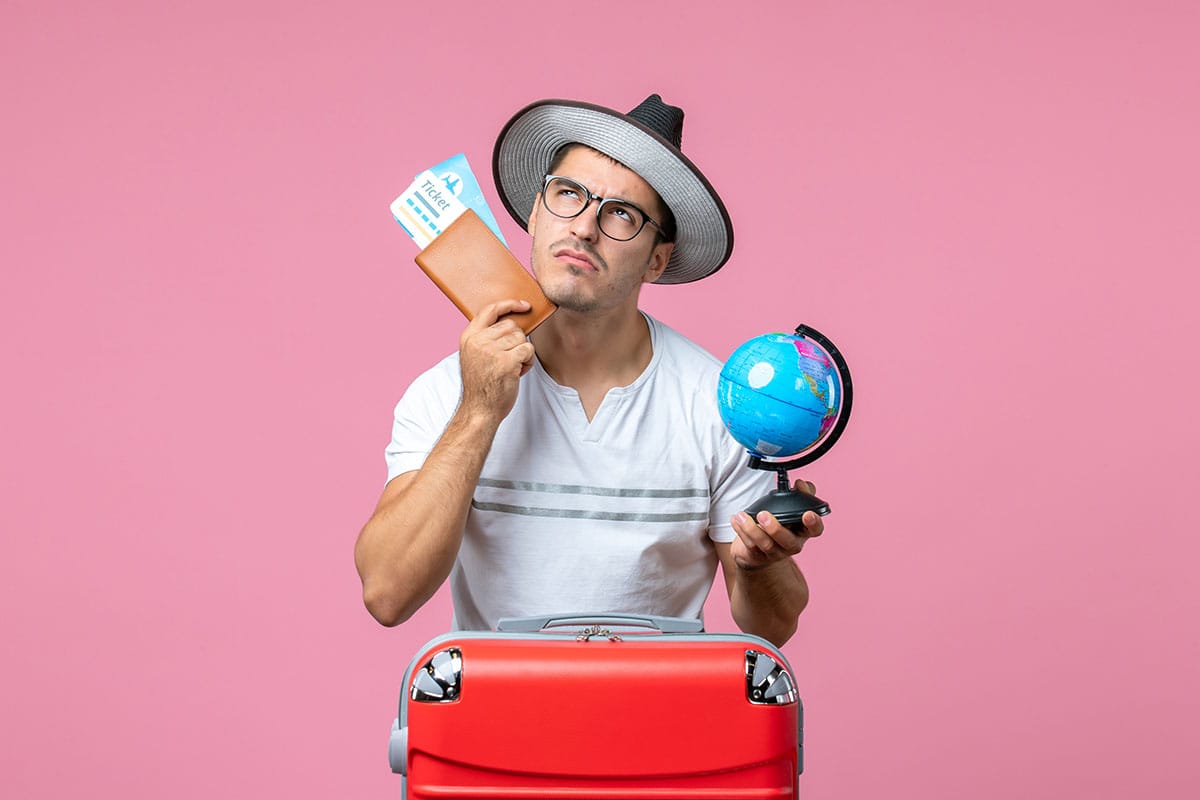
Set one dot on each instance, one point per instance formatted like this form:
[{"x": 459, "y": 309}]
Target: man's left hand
[{"x": 764, "y": 541}]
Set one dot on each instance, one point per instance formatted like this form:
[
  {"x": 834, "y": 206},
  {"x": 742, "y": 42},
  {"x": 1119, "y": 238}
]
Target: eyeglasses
[{"x": 617, "y": 219}]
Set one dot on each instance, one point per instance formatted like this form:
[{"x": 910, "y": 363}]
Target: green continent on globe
[{"x": 815, "y": 387}]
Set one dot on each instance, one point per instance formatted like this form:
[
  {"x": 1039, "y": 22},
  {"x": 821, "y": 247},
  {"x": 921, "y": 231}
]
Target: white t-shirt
[{"x": 615, "y": 515}]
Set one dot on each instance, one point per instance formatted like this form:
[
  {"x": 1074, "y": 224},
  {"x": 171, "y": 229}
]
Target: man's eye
[{"x": 622, "y": 213}]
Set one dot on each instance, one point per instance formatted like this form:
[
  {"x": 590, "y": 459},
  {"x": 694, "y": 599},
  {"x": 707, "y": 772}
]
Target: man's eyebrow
[{"x": 636, "y": 205}]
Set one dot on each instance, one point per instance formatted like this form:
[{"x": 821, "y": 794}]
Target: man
[{"x": 584, "y": 468}]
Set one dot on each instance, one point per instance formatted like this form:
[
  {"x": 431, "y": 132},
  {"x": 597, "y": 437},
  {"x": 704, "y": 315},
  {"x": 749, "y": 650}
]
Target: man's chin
[
  {"x": 572, "y": 301},
  {"x": 568, "y": 298}
]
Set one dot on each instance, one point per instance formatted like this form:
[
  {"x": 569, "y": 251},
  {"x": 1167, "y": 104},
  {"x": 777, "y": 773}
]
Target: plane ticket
[{"x": 437, "y": 197}]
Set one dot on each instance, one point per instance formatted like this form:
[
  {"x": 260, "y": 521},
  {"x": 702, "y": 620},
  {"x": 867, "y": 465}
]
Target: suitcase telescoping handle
[{"x": 661, "y": 624}]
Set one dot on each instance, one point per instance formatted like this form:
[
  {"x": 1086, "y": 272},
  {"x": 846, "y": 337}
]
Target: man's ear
[
  {"x": 659, "y": 257},
  {"x": 537, "y": 202}
]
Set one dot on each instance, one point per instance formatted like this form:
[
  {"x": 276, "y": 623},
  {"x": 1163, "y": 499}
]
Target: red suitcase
[{"x": 602, "y": 711}]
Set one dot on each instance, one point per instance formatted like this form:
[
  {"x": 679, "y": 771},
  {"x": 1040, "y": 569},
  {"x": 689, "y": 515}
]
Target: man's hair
[{"x": 667, "y": 234}]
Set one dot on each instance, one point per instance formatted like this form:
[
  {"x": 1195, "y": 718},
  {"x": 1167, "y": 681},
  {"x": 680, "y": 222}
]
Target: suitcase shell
[{"x": 598, "y": 711}]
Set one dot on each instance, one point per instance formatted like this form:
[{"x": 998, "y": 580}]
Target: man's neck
[{"x": 593, "y": 353}]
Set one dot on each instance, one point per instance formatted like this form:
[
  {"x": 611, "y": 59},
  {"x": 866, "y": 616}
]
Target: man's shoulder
[
  {"x": 447, "y": 366},
  {"x": 682, "y": 352},
  {"x": 444, "y": 376}
]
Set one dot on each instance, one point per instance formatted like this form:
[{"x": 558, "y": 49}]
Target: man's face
[{"x": 579, "y": 268}]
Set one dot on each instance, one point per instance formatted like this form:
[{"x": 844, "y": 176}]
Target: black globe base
[{"x": 788, "y": 506}]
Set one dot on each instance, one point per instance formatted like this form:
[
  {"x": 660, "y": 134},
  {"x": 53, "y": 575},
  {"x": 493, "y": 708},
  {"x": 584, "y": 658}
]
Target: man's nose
[{"x": 586, "y": 225}]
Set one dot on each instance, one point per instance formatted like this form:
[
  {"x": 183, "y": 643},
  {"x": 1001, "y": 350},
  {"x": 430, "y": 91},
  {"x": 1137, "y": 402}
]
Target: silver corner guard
[{"x": 767, "y": 682}]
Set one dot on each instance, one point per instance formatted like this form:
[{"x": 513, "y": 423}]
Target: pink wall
[{"x": 208, "y": 313}]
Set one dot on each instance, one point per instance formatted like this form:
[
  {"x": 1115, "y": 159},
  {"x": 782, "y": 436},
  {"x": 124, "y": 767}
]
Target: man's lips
[{"x": 576, "y": 258}]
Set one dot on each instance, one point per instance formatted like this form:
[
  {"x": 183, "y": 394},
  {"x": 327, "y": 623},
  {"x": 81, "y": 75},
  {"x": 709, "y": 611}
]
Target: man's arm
[
  {"x": 408, "y": 546},
  {"x": 767, "y": 590}
]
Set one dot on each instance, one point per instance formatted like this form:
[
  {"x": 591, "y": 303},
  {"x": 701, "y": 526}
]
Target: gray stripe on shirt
[
  {"x": 571, "y": 513},
  {"x": 600, "y": 491}
]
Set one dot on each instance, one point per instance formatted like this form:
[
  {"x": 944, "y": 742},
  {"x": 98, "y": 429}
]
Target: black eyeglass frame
[{"x": 588, "y": 198}]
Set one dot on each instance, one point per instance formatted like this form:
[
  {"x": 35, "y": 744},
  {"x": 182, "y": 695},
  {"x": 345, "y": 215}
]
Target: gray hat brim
[{"x": 703, "y": 230}]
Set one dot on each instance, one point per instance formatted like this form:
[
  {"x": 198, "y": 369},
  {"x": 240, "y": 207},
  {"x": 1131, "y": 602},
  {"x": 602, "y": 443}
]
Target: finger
[
  {"x": 813, "y": 524},
  {"x": 504, "y": 334},
  {"x": 504, "y": 338},
  {"x": 522, "y": 356},
  {"x": 807, "y": 487},
  {"x": 782, "y": 537},
  {"x": 752, "y": 534},
  {"x": 489, "y": 314},
  {"x": 525, "y": 352}
]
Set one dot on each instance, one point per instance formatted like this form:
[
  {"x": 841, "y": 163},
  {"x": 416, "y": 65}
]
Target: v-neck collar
[{"x": 571, "y": 407}]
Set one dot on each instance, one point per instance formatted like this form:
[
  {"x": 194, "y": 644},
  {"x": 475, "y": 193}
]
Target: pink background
[{"x": 208, "y": 313}]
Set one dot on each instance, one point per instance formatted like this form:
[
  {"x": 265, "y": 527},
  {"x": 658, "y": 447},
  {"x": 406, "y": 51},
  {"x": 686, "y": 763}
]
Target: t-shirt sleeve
[
  {"x": 734, "y": 485},
  {"x": 421, "y": 417}
]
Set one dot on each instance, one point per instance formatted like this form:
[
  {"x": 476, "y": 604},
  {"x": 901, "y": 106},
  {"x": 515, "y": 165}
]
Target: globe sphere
[{"x": 779, "y": 395}]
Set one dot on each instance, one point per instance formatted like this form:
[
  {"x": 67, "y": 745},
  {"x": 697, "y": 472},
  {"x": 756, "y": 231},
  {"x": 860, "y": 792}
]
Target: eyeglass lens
[{"x": 618, "y": 220}]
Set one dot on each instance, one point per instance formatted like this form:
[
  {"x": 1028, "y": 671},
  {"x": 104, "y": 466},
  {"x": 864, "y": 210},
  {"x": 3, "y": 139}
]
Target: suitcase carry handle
[{"x": 661, "y": 624}]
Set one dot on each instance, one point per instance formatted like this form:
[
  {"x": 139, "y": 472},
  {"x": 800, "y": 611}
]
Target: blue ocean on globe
[{"x": 779, "y": 394}]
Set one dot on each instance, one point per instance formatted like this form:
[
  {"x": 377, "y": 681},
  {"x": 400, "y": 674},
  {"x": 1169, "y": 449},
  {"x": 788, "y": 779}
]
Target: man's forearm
[
  {"x": 767, "y": 601},
  {"x": 408, "y": 547}
]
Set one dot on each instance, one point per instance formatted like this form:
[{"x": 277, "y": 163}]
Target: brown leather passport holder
[{"x": 474, "y": 268}]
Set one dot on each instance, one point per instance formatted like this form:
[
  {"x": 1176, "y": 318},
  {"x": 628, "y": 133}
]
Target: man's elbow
[
  {"x": 780, "y": 636},
  {"x": 775, "y": 631},
  {"x": 387, "y": 609}
]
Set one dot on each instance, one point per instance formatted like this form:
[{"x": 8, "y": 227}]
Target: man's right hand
[{"x": 493, "y": 355}]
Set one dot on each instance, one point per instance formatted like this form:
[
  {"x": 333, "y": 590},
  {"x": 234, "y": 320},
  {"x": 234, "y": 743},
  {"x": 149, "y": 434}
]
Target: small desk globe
[{"x": 786, "y": 398}]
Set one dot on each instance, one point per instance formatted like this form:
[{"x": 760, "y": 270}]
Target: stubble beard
[{"x": 570, "y": 297}]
